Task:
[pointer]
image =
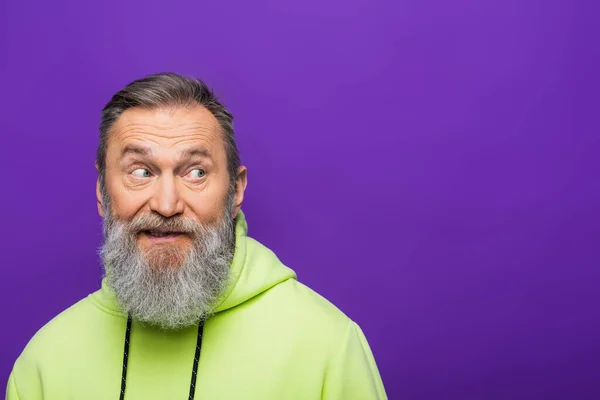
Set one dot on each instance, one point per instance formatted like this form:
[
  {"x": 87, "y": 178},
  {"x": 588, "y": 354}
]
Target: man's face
[
  {"x": 168, "y": 229},
  {"x": 171, "y": 162}
]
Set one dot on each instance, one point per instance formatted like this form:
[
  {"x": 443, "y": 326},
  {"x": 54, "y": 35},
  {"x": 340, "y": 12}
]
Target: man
[{"x": 190, "y": 306}]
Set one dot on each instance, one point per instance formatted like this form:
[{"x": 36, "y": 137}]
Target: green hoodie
[{"x": 270, "y": 338}]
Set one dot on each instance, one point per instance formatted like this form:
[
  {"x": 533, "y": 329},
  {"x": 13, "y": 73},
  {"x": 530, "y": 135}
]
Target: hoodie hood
[{"x": 254, "y": 270}]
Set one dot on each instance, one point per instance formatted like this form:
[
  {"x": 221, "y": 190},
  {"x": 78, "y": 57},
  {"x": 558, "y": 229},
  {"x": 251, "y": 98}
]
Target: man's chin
[{"x": 165, "y": 257}]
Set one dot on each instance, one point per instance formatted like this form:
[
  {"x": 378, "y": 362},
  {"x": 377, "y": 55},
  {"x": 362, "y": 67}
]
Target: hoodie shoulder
[
  {"x": 46, "y": 346},
  {"x": 57, "y": 330}
]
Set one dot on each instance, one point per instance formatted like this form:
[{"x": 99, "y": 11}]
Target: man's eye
[
  {"x": 141, "y": 173},
  {"x": 197, "y": 173}
]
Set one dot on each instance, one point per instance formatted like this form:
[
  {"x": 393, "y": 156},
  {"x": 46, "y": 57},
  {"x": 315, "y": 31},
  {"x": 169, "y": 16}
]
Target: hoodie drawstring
[{"x": 194, "y": 367}]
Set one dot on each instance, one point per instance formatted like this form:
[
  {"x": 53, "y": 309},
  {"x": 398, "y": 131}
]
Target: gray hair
[
  {"x": 167, "y": 90},
  {"x": 166, "y": 286}
]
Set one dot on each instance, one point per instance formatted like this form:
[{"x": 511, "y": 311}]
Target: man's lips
[{"x": 159, "y": 236}]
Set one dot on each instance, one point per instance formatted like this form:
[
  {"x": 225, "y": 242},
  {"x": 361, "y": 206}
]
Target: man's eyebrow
[
  {"x": 132, "y": 149},
  {"x": 196, "y": 152}
]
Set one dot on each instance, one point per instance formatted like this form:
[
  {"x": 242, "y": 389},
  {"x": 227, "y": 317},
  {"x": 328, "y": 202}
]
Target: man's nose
[{"x": 166, "y": 199}]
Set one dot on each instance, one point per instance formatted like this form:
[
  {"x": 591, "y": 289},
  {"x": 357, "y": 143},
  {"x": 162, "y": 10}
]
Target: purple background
[{"x": 431, "y": 167}]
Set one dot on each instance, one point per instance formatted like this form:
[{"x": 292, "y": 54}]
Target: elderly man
[{"x": 189, "y": 305}]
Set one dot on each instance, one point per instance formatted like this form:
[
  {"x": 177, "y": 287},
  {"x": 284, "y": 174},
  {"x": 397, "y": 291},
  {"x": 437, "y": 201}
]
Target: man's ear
[
  {"x": 99, "y": 195},
  {"x": 241, "y": 181}
]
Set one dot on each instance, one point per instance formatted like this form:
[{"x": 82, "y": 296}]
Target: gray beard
[{"x": 165, "y": 286}]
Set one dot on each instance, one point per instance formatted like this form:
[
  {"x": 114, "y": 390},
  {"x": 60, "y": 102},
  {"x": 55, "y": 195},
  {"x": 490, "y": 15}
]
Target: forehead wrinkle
[
  {"x": 164, "y": 131},
  {"x": 134, "y": 133},
  {"x": 190, "y": 142}
]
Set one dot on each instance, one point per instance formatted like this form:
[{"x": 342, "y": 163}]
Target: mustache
[{"x": 154, "y": 222}]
